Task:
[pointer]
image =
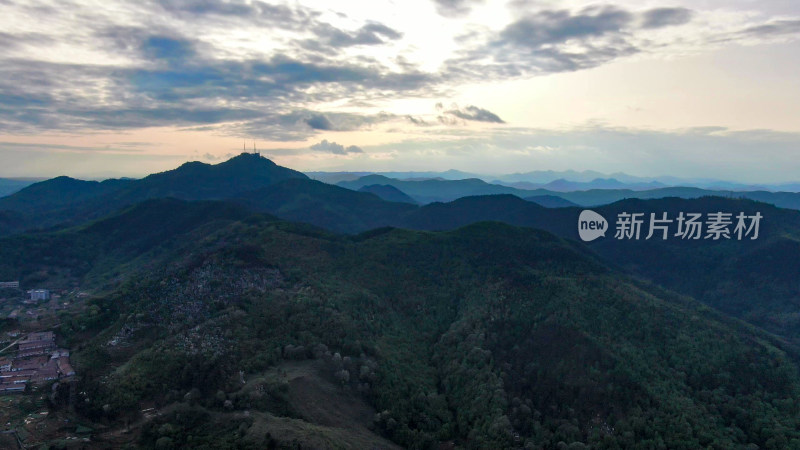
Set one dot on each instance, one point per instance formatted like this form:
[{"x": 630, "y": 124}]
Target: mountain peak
[
  {"x": 245, "y": 161},
  {"x": 200, "y": 181},
  {"x": 247, "y": 165},
  {"x": 256, "y": 168},
  {"x": 248, "y": 158}
]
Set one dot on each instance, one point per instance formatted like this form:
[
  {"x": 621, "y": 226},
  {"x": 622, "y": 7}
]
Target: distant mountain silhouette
[
  {"x": 435, "y": 190},
  {"x": 9, "y": 186},
  {"x": 388, "y": 193},
  {"x": 261, "y": 185},
  {"x": 64, "y": 200},
  {"x": 57, "y": 193},
  {"x": 550, "y": 201},
  {"x": 562, "y": 185},
  {"x": 335, "y": 177},
  {"x": 568, "y": 180}
]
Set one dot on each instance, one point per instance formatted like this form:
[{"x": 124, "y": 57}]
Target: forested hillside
[{"x": 486, "y": 336}]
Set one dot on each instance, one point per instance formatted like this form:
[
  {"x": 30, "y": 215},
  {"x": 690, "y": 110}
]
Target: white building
[{"x": 39, "y": 294}]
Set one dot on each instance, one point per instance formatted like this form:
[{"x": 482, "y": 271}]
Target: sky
[{"x": 700, "y": 88}]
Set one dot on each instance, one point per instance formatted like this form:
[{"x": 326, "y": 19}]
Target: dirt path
[{"x": 13, "y": 343}]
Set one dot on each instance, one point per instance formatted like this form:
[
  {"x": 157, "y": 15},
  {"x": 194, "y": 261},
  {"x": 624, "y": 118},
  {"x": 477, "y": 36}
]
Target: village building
[
  {"x": 31, "y": 363},
  {"x": 44, "y": 336},
  {"x": 38, "y": 360},
  {"x": 9, "y": 388},
  {"x": 47, "y": 372},
  {"x": 12, "y": 387},
  {"x": 33, "y": 349},
  {"x": 16, "y": 375},
  {"x": 64, "y": 368},
  {"x": 20, "y": 379},
  {"x": 36, "y": 344},
  {"x": 39, "y": 294},
  {"x": 59, "y": 353}
]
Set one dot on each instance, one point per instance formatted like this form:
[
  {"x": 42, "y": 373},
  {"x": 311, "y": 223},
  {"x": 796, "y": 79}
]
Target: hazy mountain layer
[{"x": 440, "y": 190}]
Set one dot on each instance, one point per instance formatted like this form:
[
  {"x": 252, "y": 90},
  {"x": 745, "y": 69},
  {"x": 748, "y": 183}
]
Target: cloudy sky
[{"x": 700, "y": 88}]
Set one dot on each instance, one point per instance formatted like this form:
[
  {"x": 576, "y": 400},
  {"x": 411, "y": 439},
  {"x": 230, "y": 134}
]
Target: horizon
[
  {"x": 679, "y": 88},
  {"x": 664, "y": 180}
]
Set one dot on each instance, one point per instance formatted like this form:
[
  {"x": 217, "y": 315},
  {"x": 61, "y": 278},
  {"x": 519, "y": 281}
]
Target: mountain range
[
  {"x": 440, "y": 190},
  {"x": 65, "y": 201},
  {"x": 252, "y": 307},
  {"x": 564, "y": 185},
  {"x": 566, "y": 180}
]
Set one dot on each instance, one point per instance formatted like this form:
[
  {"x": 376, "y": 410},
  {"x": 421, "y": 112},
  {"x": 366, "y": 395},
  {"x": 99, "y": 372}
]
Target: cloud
[
  {"x": 416, "y": 120},
  {"x": 278, "y": 77},
  {"x": 549, "y": 41},
  {"x": 455, "y": 8},
  {"x": 173, "y": 69},
  {"x": 336, "y": 149},
  {"x": 241, "y": 12},
  {"x": 554, "y": 27},
  {"x": 369, "y": 34},
  {"x": 664, "y": 17},
  {"x": 474, "y": 113},
  {"x": 186, "y": 63},
  {"x": 40, "y": 147},
  {"x": 212, "y": 157},
  {"x": 10, "y": 41},
  {"x": 167, "y": 48},
  {"x": 185, "y": 92},
  {"x": 381, "y": 29},
  {"x": 319, "y": 122},
  {"x": 543, "y": 41},
  {"x": 220, "y": 8},
  {"x": 775, "y": 28},
  {"x": 134, "y": 144},
  {"x": 121, "y": 118},
  {"x": 299, "y": 125}
]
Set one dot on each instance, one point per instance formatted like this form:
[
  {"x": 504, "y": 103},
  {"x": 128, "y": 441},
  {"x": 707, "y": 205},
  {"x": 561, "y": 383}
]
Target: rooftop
[{"x": 37, "y": 337}]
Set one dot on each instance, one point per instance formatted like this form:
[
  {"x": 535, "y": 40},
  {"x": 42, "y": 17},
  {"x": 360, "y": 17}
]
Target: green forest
[{"x": 489, "y": 336}]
